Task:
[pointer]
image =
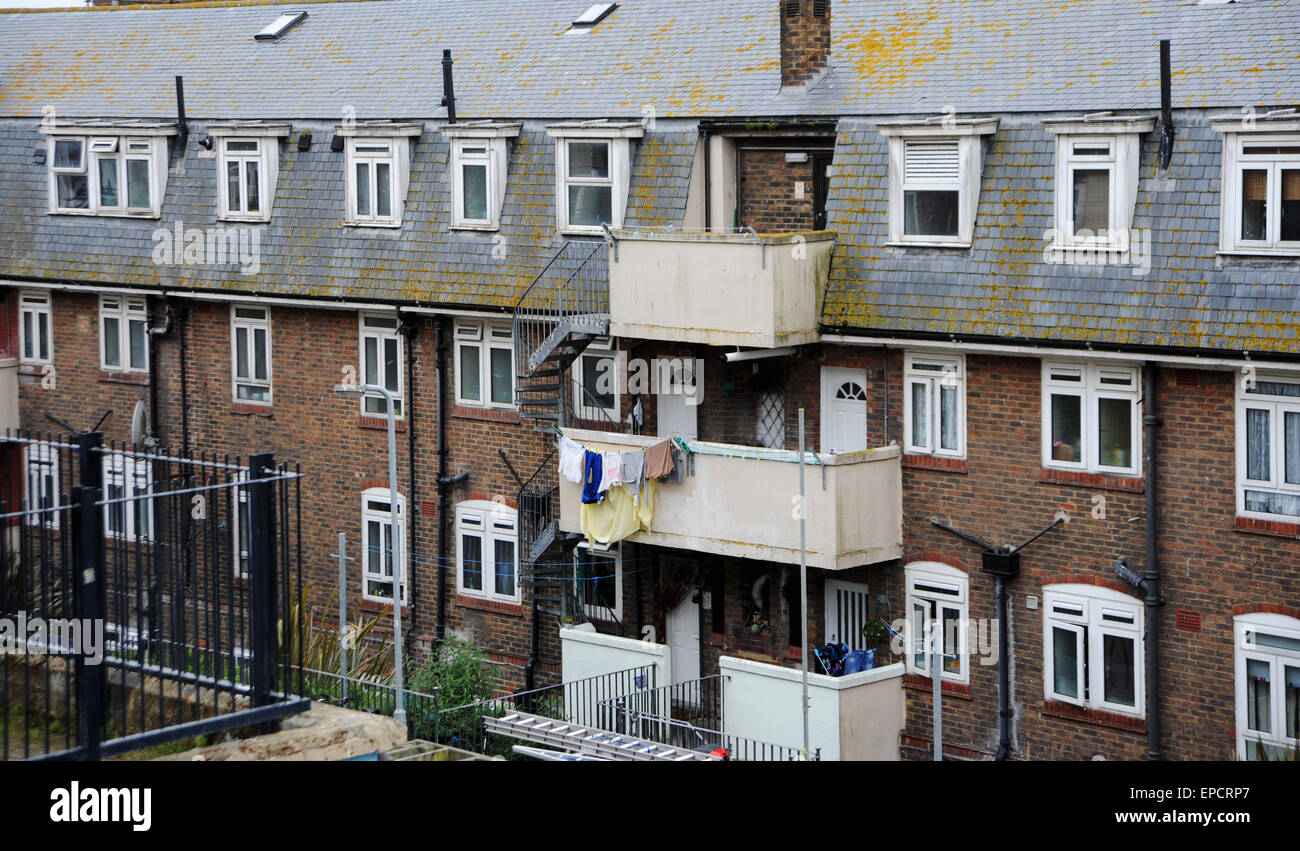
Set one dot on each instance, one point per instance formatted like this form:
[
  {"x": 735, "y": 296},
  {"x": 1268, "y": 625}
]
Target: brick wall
[
  {"x": 805, "y": 39},
  {"x": 769, "y": 202}
]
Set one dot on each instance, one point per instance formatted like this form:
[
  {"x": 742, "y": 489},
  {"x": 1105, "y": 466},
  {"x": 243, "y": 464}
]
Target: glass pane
[
  {"x": 371, "y": 366},
  {"x": 112, "y": 341},
  {"x": 363, "y": 189},
  {"x": 391, "y": 379},
  {"x": 918, "y": 636},
  {"x": 1291, "y": 707},
  {"x": 502, "y": 388},
  {"x": 588, "y": 159},
  {"x": 948, "y": 426},
  {"x": 232, "y": 187},
  {"x": 597, "y": 382},
  {"x": 1258, "y": 702},
  {"x": 589, "y": 206},
  {"x": 374, "y": 548},
  {"x": 1259, "y": 435},
  {"x": 1291, "y": 205},
  {"x": 139, "y": 356},
  {"x": 921, "y": 414},
  {"x": 73, "y": 191},
  {"x": 116, "y": 510},
  {"x": 1273, "y": 503},
  {"x": 259, "y": 354},
  {"x": 43, "y": 322},
  {"x": 1114, "y": 432},
  {"x": 108, "y": 196},
  {"x": 471, "y": 549},
  {"x": 241, "y": 352},
  {"x": 1066, "y": 428},
  {"x": 1117, "y": 661},
  {"x": 388, "y": 549},
  {"x": 254, "y": 392},
  {"x": 383, "y": 193},
  {"x": 1291, "y": 446},
  {"x": 504, "y": 553},
  {"x": 67, "y": 153},
  {"x": 137, "y": 184},
  {"x": 1092, "y": 201},
  {"x": 470, "y": 374},
  {"x": 1268, "y": 639},
  {"x": 474, "y": 192},
  {"x": 951, "y": 641},
  {"x": 1254, "y": 204},
  {"x": 250, "y": 183},
  {"x": 930, "y": 213},
  {"x": 1065, "y": 662},
  {"x": 29, "y": 335}
]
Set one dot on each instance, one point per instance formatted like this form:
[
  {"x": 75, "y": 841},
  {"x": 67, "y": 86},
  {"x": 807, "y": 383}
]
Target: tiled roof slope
[
  {"x": 305, "y": 250},
  {"x": 1002, "y": 287},
  {"x": 518, "y": 58}
]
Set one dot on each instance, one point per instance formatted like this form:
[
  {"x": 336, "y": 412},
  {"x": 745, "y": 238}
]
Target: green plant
[
  {"x": 875, "y": 631},
  {"x": 459, "y": 671},
  {"x": 367, "y": 659}
]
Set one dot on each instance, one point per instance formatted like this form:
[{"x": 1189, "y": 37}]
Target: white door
[
  {"x": 679, "y": 403},
  {"x": 684, "y": 639},
  {"x": 844, "y": 409}
]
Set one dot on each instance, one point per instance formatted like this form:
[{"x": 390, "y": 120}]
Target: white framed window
[
  {"x": 250, "y": 353},
  {"x": 487, "y": 564},
  {"x": 1268, "y": 445},
  {"x": 378, "y": 527},
  {"x": 43, "y": 485},
  {"x": 847, "y": 607},
  {"x": 128, "y": 515},
  {"x": 108, "y": 175},
  {"x": 377, "y": 162},
  {"x": 934, "y": 180},
  {"x": 934, "y": 404},
  {"x": 1261, "y": 193},
  {"x": 479, "y": 156},
  {"x": 596, "y": 382},
  {"x": 1091, "y": 417},
  {"x": 35, "y": 328},
  {"x": 598, "y": 580},
  {"x": 243, "y": 179},
  {"x": 485, "y": 364},
  {"x": 1097, "y": 160},
  {"x": 937, "y": 601},
  {"x": 1092, "y": 648},
  {"x": 593, "y": 167},
  {"x": 123, "y": 334},
  {"x": 381, "y": 361},
  {"x": 1268, "y": 686}
]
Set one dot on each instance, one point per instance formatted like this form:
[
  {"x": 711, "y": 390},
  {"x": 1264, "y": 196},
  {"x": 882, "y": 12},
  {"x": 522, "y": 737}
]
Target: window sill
[
  {"x": 246, "y": 409},
  {"x": 916, "y": 682},
  {"x": 579, "y": 231},
  {"x": 926, "y": 244},
  {"x": 1276, "y": 528},
  {"x": 32, "y": 367},
  {"x": 1070, "y": 712},
  {"x": 936, "y": 462},
  {"x": 376, "y": 607},
  {"x": 482, "y": 605},
  {"x": 139, "y": 378},
  {"x": 487, "y": 228},
  {"x": 363, "y": 226},
  {"x": 501, "y": 415},
  {"x": 244, "y": 220},
  {"x": 108, "y": 215},
  {"x": 1100, "y": 481},
  {"x": 380, "y": 423},
  {"x": 1089, "y": 248},
  {"x": 1260, "y": 252}
]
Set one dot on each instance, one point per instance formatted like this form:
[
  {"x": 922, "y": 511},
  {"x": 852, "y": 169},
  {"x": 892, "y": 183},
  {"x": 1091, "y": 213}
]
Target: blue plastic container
[{"x": 866, "y": 659}]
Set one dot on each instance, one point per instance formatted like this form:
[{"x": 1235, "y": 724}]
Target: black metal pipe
[
  {"x": 155, "y": 334},
  {"x": 184, "y": 314},
  {"x": 440, "y": 372},
  {"x": 1151, "y": 577},
  {"x": 1166, "y": 107},
  {"x": 448, "y": 89},
  {"x": 180, "y": 114},
  {"x": 410, "y": 331},
  {"x": 708, "y": 179},
  {"x": 1005, "y": 713}
]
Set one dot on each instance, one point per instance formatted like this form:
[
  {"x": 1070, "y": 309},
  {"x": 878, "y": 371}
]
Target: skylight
[
  {"x": 280, "y": 25},
  {"x": 594, "y": 15}
]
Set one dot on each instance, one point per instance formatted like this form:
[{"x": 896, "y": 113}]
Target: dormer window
[
  {"x": 479, "y": 157},
  {"x": 934, "y": 180},
  {"x": 101, "y": 169},
  {"x": 1096, "y": 180},
  {"x": 593, "y": 164},
  {"x": 1261, "y": 185},
  {"x": 247, "y": 169},
  {"x": 378, "y": 167}
]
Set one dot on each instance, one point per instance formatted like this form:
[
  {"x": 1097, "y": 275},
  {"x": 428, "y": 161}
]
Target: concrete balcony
[
  {"x": 741, "y": 502},
  {"x": 8, "y": 393},
  {"x": 724, "y": 289}
]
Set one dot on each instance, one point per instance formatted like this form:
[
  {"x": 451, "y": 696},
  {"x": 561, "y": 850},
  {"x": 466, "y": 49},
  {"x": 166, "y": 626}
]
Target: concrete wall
[
  {"x": 857, "y": 717},
  {"x": 8, "y": 393},
  {"x": 669, "y": 287},
  {"x": 587, "y": 653},
  {"x": 744, "y": 506}
]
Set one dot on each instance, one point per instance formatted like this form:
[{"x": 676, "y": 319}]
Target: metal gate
[{"x": 145, "y": 597}]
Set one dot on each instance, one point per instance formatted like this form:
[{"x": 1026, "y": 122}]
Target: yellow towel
[{"x": 619, "y": 516}]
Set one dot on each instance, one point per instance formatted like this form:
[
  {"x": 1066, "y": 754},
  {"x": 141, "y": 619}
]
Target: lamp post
[{"x": 358, "y": 391}]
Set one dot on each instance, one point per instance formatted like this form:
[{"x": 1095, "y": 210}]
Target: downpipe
[{"x": 1151, "y": 577}]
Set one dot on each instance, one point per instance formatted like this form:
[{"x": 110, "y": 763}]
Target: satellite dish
[{"x": 139, "y": 423}]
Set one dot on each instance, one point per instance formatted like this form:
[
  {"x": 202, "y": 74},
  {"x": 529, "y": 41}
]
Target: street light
[{"x": 358, "y": 391}]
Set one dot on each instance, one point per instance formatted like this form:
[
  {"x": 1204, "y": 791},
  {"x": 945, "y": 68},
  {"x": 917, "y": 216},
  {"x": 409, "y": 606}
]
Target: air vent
[
  {"x": 1187, "y": 620},
  {"x": 594, "y": 15},
  {"x": 792, "y": 8},
  {"x": 280, "y": 26},
  {"x": 821, "y": 8}
]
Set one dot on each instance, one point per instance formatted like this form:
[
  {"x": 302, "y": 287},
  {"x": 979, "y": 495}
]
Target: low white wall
[
  {"x": 8, "y": 393},
  {"x": 587, "y": 653},
  {"x": 857, "y": 717}
]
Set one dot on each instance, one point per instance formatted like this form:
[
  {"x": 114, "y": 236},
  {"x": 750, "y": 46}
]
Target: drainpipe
[
  {"x": 156, "y": 334},
  {"x": 708, "y": 180},
  {"x": 440, "y": 371},
  {"x": 1151, "y": 578},
  {"x": 1004, "y": 674},
  {"x": 409, "y": 331},
  {"x": 183, "y": 312}
]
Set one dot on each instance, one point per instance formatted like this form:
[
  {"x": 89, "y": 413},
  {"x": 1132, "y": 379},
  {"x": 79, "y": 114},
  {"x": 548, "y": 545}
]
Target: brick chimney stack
[{"x": 805, "y": 39}]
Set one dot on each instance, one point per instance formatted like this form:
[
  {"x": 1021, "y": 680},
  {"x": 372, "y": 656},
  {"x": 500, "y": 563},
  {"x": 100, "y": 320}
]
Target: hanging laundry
[
  {"x": 679, "y": 464},
  {"x": 571, "y": 458},
  {"x": 633, "y": 470},
  {"x": 619, "y": 516},
  {"x": 638, "y": 415},
  {"x": 659, "y": 460},
  {"x": 591, "y": 476},
  {"x": 611, "y": 470}
]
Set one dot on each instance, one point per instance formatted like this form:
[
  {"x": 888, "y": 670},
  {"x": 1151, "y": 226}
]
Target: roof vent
[
  {"x": 280, "y": 26},
  {"x": 594, "y": 15}
]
